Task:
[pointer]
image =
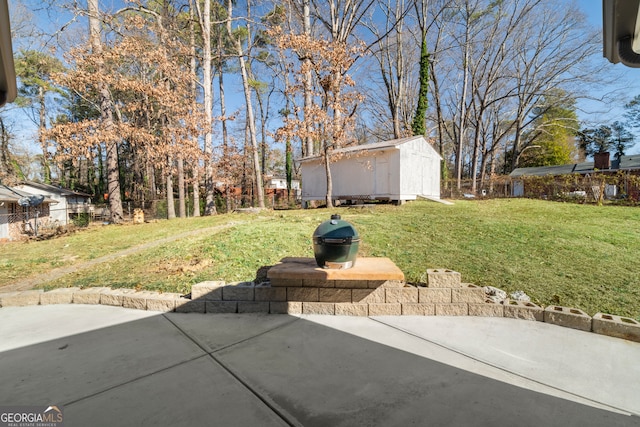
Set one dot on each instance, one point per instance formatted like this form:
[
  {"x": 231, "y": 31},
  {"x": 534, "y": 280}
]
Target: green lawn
[{"x": 574, "y": 255}]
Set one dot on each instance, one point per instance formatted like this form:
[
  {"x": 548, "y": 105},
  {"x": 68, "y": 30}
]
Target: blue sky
[{"x": 626, "y": 86}]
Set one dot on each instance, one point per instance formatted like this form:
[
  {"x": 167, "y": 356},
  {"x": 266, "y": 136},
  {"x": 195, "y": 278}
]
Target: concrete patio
[{"x": 115, "y": 366}]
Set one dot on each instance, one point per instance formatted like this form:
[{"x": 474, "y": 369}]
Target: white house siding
[{"x": 394, "y": 170}]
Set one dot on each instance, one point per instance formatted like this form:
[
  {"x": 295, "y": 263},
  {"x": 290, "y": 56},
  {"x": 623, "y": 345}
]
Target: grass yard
[{"x": 574, "y": 255}]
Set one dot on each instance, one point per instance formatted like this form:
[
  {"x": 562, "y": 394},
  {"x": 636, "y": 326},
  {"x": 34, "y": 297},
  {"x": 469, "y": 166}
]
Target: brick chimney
[{"x": 601, "y": 161}]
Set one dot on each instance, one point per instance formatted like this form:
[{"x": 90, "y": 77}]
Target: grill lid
[{"x": 335, "y": 231}]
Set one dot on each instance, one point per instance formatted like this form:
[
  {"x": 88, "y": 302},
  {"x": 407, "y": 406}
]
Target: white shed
[{"x": 396, "y": 170}]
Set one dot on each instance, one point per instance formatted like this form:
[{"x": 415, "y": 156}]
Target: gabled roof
[
  {"x": 542, "y": 171},
  {"x": 394, "y": 143},
  {"x": 8, "y": 194},
  {"x": 625, "y": 163},
  {"x": 12, "y": 195},
  {"x": 54, "y": 189}
]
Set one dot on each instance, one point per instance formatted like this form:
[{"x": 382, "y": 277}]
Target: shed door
[{"x": 382, "y": 176}]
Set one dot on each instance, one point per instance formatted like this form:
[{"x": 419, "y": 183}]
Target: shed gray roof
[
  {"x": 625, "y": 163},
  {"x": 394, "y": 143}
]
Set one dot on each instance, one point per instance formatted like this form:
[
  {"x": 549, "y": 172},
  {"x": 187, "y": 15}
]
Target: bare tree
[
  {"x": 251, "y": 123},
  {"x": 106, "y": 115}
]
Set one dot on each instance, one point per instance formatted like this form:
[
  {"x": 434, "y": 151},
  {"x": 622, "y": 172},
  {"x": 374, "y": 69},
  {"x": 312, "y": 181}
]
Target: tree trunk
[
  {"x": 46, "y": 168},
  {"x": 327, "y": 169},
  {"x": 249, "y": 108},
  {"x": 7, "y": 174},
  {"x": 171, "y": 207},
  {"x": 226, "y": 154},
  {"x": 210, "y": 206},
  {"x": 307, "y": 146},
  {"x": 192, "y": 64},
  {"x": 106, "y": 116},
  {"x": 182, "y": 206}
]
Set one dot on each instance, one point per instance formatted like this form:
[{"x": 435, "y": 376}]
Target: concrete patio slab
[
  {"x": 72, "y": 366},
  {"x": 196, "y": 393},
  {"x": 327, "y": 377},
  {"x": 214, "y": 332},
  {"x": 577, "y": 362},
  {"x": 114, "y": 366}
]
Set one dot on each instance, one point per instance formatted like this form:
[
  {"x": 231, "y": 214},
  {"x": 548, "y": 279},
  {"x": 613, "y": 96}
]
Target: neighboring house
[
  {"x": 277, "y": 187},
  {"x": 281, "y": 183},
  {"x": 602, "y": 164},
  {"x": 396, "y": 170},
  {"x": 69, "y": 205},
  {"x": 16, "y": 220}
]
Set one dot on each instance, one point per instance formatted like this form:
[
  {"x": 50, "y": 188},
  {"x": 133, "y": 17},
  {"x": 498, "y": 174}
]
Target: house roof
[
  {"x": 54, "y": 189},
  {"x": 394, "y": 143},
  {"x": 625, "y": 163},
  {"x": 10, "y": 194},
  {"x": 8, "y": 89}
]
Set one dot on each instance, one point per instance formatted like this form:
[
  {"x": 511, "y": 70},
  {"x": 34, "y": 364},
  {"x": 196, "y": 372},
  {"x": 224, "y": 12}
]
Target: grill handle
[{"x": 343, "y": 240}]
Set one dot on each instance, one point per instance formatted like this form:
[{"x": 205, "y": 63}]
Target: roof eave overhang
[
  {"x": 8, "y": 87},
  {"x": 621, "y": 31}
]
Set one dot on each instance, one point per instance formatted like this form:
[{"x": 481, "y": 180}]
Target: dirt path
[{"x": 56, "y": 273}]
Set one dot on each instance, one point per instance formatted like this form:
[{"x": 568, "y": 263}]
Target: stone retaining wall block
[
  {"x": 523, "y": 310},
  {"x": 20, "y": 298},
  {"x": 351, "y": 309},
  {"x": 616, "y": 326},
  {"x": 217, "y": 307},
  {"x": 58, "y": 296},
  {"x": 486, "y": 310},
  {"x": 88, "y": 296},
  {"x": 318, "y": 308},
  {"x": 442, "y": 278},
  {"x": 457, "y": 309},
  {"x": 419, "y": 309},
  {"x": 401, "y": 295},
  {"x": 253, "y": 307},
  {"x": 302, "y": 294},
  {"x": 434, "y": 295},
  {"x": 137, "y": 300},
  {"x": 567, "y": 317},
  {"x": 184, "y": 305},
  {"x": 468, "y": 293},
  {"x": 238, "y": 291},
  {"x": 264, "y": 292},
  {"x": 385, "y": 309},
  {"x": 208, "y": 291},
  {"x": 114, "y": 297},
  {"x": 368, "y": 296},
  {"x": 334, "y": 295},
  {"x": 165, "y": 302},
  {"x": 289, "y": 307}
]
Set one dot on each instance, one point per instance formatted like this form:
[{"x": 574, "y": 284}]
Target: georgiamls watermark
[{"x": 31, "y": 416}]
